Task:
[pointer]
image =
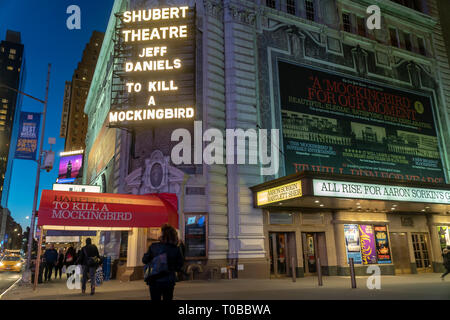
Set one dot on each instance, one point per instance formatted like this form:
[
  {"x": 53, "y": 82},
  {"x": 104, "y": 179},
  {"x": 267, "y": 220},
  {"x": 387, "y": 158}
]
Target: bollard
[
  {"x": 319, "y": 272},
  {"x": 294, "y": 278},
  {"x": 352, "y": 273}
]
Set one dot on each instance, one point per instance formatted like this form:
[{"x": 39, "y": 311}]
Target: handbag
[{"x": 99, "y": 276}]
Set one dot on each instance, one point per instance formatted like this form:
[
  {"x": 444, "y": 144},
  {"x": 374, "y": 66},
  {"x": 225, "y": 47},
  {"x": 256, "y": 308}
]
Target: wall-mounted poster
[
  {"x": 444, "y": 236},
  {"x": 195, "y": 236},
  {"x": 69, "y": 168},
  {"x": 368, "y": 249},
  {"x": 382, "y": 244},
  {"x": 337, "y": 124},
  {"x": 352, "y": 243}
]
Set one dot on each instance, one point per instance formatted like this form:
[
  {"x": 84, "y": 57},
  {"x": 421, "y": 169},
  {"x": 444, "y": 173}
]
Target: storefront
[
  {"x": 312, "y": 218},
  {"x": 74, "y": 216}
]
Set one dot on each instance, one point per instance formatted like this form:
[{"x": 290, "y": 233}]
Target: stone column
[{"x": 341, "y": 254}]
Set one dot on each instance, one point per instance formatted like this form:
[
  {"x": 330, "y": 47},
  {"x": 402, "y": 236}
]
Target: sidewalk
[{"x": 420, "y": 287}]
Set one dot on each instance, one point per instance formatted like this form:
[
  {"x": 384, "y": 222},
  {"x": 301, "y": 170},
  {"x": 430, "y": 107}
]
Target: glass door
[
  {"x": 281, "y": 250},
  {"x": 420, "y": 245},
  {"x": 309, "y": 252}
]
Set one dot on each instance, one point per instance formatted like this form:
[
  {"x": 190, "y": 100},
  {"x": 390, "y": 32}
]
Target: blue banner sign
[{"x": 27, "y": 140}]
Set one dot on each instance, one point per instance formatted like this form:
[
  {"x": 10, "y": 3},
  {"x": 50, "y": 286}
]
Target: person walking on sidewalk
[
  {"x": 446, "y": 256},
  {"x": 164, "y": 258},
  {"x": 51, "y": 257},
  {"x": 89, "y": 259},
  {"x": 59, "y": 263}
]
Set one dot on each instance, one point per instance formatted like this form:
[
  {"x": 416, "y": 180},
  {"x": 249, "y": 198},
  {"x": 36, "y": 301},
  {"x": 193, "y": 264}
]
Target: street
[
  {"x": 409, "y": 287},
  {"x": 7, "y": 279}
]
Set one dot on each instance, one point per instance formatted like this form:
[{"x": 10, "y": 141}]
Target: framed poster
[
  {"x": 196, "y": 236},
  {"x": 352, "y": 243},
  {"x": 444, "y": 236},
  {"x": 368, "y": 249},
  {"x": 382, "y": 244}
]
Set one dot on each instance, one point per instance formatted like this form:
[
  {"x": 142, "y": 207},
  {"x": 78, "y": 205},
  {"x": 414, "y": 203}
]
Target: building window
[
  {"x": 2, "y": 117},
  {"x": 12, "y": 57},
  {"x": 271, "y": 3},
  {"x": 3, "y": 111},
  {"x": 394, "y": 37},
  {"x": 346, "y": 22},
  {"x": 290, "y": 6},
  {"x": 2, "y": 123},
  {"x": 5, "y": 106},
  {"x": 10, "y": 68},
  {"x": 5, "y": 100},
  {"x": 13, "y": 51},
  {"x": 361, "y": 26},
  {"x": 2, "y": 49},
  {"x": 309, "y": 6},
  {"x": 407, "y": 38},
  {"x": 413, "y": 4},
  {"x": 421, "y": 44}
]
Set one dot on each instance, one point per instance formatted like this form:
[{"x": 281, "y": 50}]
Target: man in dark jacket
[
  {"x": 446, "y": 257},
  {"x": 88, "y": 251},
  {"x": 163, "y": 284},
  {"x": 50, "y": 256}
]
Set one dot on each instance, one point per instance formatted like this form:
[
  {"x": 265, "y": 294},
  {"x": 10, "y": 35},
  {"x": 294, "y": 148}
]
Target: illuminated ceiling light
[
  {"x": 394, "y": 205},
  {"x": 69, "y": 153},
  {"x": 423, "y": 210},
  {"x": 357, "y": 203},
  {"x": 392, "y": 208},
  {"x": 427, "y": 207},
  {"x": 280, "y": 203},
  {"x": 316, "y": 201},
  {"x": 321, "y": 205}
]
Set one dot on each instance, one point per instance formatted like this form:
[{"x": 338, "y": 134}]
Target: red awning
[{"x": 65, "y": 208}]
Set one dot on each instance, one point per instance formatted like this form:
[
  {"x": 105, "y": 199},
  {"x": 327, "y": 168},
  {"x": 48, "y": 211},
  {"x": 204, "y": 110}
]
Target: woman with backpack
[{"x": 163, "y": 259}]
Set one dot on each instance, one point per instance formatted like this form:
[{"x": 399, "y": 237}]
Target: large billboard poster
[
  {"x": 352, "y": 243},
  {"x": 368, "y": 249},
  {"x": 382, "y": 243},
  {"x": 340, "y": 125},
  {"x": 27, "y": 140},
  {"x": 69, "y": 168},
  {"x": 444, "y": 236}
]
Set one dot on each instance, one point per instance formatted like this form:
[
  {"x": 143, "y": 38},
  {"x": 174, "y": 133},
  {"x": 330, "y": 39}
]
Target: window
[
  {"x": 2, "y": 117},
  {"x": 2, "y": 123},
  {"x": 290, "y": 6},
  {"x": 2, "y": 49},
  {"x": 361, "y": 26},
  {"x": 346, "y": 22},
  {"x": 10, "y": 68},
  {"x": 3, "y": 111},
  {"x": 393, "y": 36},
  {"x": 13, "y": 51},
  {"x": 5, "y": 100},
  {"x": 309, "y": 6},
  {"x": 407, "y": 37},
  {"x": 12, "y": 57},
  {"x": 270, "y": 3},
  {"x": 421, "y": 44},
  {"x": 413, "y": 4}
]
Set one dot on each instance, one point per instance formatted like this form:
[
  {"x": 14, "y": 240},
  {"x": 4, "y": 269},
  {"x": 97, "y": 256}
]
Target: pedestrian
[
  {"x": 89, "y": 259},
  {"x": 51, "y": 257},
  {"x": 59, "y": 263},
  {"x": 69, "y": 259},
  {"x": 446, "y": 256},
  {"x": 165, "y": 252}
]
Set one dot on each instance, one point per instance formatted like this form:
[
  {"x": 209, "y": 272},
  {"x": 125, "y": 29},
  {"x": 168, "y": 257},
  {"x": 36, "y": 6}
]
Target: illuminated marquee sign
[
  {"x": 159, "y": 72},
  {"x": 343, "y": 189},
  {"x": 284, "y": 192}
]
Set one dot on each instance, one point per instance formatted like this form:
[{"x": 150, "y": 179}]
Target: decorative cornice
[
  {"x": 214, "y": 9},
  {"x": 242, "y": 15}
]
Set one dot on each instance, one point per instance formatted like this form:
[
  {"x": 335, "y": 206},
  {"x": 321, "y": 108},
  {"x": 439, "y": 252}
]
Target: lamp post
[{"x": 26, "y": 275}]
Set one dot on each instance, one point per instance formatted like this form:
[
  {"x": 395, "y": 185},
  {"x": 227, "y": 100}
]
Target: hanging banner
[
  {"x": 27, "y": 140},
  {"x": 352, "y": 243},
  {"x": 368, "y": 250},
  {"x": 382, "y": 244},
  {"x": 444, "y": 236}
]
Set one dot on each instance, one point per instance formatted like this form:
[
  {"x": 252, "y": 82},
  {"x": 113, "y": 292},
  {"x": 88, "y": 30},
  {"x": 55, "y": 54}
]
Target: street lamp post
[{"x": 26, "y": 277}]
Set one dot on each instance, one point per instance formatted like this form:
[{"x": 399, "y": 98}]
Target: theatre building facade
[{"x": 360, "y": 155}]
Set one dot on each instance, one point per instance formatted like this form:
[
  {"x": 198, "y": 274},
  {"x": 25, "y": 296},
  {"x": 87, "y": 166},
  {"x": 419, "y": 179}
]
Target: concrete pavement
[{"x": 414, "y": 287}]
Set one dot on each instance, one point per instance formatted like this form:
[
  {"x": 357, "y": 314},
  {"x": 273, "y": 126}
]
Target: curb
[{"x": 6, "y": 291}]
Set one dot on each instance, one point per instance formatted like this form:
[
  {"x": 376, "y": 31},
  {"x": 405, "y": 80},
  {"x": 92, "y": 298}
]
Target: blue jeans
[{"x": 91, "y": 271}]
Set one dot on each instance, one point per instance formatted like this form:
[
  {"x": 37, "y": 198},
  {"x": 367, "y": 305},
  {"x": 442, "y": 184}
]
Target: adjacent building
[
  {"x": 12, "y": 75},
  {"x": 74, "y": 120},
  {"x": 354, "y": 123}
]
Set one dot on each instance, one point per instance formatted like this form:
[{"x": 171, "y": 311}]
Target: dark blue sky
[{"x": 42, "y": 24}]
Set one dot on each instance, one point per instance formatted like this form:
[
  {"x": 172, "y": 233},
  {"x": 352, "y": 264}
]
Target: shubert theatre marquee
[{"x": 363, "y": 121}]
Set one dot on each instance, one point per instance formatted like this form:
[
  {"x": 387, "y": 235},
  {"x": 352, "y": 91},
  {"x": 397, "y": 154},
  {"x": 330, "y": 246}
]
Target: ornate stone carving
[
  {"x": 414, "y": 74},
  {"x": 242, "y": 15},
  {"x": 156, "y": 176},
  {"x": 214, "y": 9},
  {"x": 360, "y": 57}
]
